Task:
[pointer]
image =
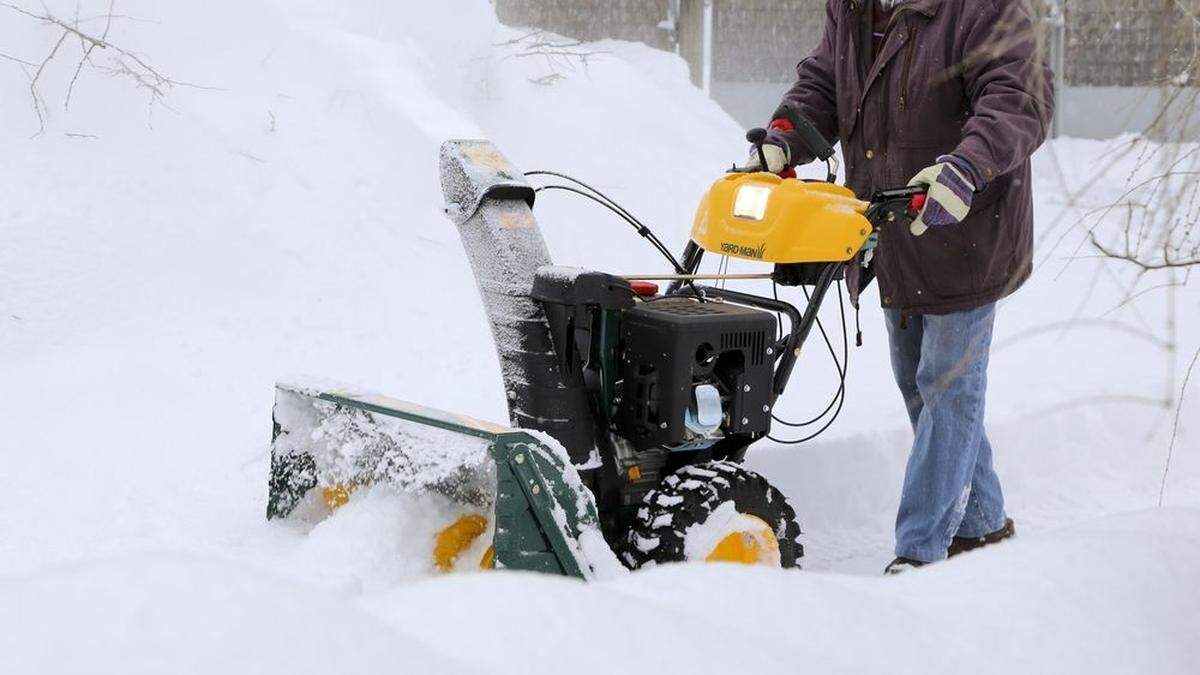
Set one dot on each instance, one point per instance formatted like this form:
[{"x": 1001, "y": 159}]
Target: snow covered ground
[{"x": 162, "y": 265}]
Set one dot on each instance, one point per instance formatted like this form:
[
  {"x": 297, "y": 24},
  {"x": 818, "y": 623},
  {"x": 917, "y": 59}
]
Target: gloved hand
[
  {"x": 952, "y": 185},
  {"x": 778, "y": 159}
]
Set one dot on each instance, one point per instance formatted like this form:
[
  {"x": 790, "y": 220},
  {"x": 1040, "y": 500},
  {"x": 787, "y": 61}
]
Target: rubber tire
[{"x": 693, "y": 493}]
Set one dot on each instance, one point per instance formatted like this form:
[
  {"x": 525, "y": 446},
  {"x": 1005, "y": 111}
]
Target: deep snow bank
[
  {"x": 183, "y": 614},
  {"x": 1113, "y": 595}
]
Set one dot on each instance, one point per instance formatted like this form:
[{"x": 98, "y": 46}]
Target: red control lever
[
  {"x": 645, "y": 289},
  {"x": 784, "y": 126},
  {"x": 917, "y": 203}
]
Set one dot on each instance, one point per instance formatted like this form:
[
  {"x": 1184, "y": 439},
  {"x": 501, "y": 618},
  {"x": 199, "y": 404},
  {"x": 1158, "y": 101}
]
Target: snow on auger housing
[{"x": 631, "y": 409}]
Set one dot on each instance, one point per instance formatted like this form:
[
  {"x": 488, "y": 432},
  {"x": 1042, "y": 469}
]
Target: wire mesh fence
[
  {"x": 1132, "y": 42},
  {"x": 1105, "y": 42}
]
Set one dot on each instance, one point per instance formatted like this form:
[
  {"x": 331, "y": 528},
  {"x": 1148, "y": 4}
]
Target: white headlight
[{"x": 751, "y": 202}]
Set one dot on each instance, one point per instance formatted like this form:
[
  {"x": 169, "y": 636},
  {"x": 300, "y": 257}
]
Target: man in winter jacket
[{"x": 954, "y": 95}]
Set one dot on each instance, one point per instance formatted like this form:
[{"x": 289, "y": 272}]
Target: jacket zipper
[{"x": 910, "y": 48}]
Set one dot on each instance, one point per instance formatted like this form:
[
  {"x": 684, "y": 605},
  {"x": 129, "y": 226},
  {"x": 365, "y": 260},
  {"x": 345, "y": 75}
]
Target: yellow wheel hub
[{"x": 751, "y": 542}]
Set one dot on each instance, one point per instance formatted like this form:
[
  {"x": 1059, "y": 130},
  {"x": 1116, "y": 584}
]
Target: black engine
[
  {"x": 691, "y": 370},
  {"x": 670, "y": 372}
]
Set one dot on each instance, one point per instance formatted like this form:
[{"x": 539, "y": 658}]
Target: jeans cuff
[
  {"x": 968, "y": 532},
  {"x": 925, "y": 555}
]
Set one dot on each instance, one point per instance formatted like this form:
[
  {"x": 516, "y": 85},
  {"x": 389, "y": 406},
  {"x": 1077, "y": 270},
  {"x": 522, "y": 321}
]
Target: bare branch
[
  {"x": 33, "y": 83},
  {"x": 558, "y": 54},
  {"x": 1162, "y": 490},
  {"x": 122, "y": 62},
  {"x": 1166, "y": 263},
  {"x": 14, "y": 59},
  {"x": 87, "y": 55}
]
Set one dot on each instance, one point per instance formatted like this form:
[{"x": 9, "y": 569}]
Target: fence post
[
  {"x": 1057, "y": 24},
  {"x": 708, "y": 47},
  {"x": 671, "y": 24}
]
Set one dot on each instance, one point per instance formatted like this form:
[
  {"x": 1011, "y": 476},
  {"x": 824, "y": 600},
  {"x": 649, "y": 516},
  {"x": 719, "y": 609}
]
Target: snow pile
[
  {"x": 379, "y": 539},
  {"x": 284, "y": 216},
  {"x": 176, "y": 613},
  {"x": 1106, "y": 597}
]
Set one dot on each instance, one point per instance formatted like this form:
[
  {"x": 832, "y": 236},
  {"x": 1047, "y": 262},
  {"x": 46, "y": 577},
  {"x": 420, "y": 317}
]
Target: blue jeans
[{"x": 950, "y": 487}]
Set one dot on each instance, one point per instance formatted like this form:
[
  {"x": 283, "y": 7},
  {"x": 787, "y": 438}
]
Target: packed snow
[{"x": 278, "y": 212}]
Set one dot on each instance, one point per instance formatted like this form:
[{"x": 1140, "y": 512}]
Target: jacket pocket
[
  {"x": 991, "y": 243},
  {"x": 943, "y": 266}
]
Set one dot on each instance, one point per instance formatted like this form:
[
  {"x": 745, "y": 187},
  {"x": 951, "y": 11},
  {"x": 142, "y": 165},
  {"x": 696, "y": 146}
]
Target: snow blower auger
[
  {"x": 644, "y": 402},
  {"x": 329, "y": 442}
]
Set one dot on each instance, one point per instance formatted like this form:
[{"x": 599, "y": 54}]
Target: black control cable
[
  {"x": 837, "y": 365},
  {"x": 604, "y": 200},
  {"x": 839, "y": 398}
]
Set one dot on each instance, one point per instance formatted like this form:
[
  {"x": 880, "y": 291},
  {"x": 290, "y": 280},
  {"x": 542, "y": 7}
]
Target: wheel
[{"x": 714, "y": 512}]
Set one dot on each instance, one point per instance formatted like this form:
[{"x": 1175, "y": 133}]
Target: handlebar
[
  {"x": 790, "y": 120},
  {"x": 905, "y": 202},
  {"x": 813, "y": 140}
]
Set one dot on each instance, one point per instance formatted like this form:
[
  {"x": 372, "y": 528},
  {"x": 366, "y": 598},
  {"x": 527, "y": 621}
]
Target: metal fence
[
  {"x": 1125, "y": 57},
  {"x": 1131, "y": 42},
  {"x": 634, "y": 20},
  {"x": 1107, "y": 42},
  {"x": 762, "y": 40}
]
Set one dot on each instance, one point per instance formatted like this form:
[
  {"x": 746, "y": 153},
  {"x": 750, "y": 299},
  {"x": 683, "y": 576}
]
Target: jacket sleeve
[
  {"x": 814, "y": 94},
  {"x": 1009, "y": 86}
]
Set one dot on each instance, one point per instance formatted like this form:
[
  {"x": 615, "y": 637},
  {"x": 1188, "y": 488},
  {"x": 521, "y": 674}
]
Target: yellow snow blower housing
[{"x": 760, "y": 216}]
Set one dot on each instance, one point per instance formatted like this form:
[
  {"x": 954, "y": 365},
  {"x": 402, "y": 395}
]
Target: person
[{"x": 954, "y": 95}]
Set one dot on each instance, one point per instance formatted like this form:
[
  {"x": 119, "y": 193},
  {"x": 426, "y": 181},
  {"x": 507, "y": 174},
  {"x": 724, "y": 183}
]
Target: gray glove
[{"x": 778, "y": 159}]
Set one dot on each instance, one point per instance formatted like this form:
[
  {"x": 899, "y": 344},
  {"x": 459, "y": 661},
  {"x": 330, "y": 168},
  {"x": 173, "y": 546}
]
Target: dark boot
[
  {"x": 901, "y": 565},
  {"x": 964, "y": 544}
]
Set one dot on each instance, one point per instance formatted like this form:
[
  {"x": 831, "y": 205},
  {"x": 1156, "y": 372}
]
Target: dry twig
[
  {"x": 122, "y": 62},
  {"x": 559, "y": 55}
]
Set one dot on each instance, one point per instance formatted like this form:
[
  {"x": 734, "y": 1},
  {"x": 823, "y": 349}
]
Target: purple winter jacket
[{"x": 962, "y": 77}]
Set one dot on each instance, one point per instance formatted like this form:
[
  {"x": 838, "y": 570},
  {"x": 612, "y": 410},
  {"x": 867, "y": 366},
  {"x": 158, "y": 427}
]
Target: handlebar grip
[
  {"x": 896, "y": 203},
  {"x": 812, "y": 138}
]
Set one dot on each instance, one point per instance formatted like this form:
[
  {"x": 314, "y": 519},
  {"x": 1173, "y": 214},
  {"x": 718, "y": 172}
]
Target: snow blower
[{"x": 631, "y": 408}]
